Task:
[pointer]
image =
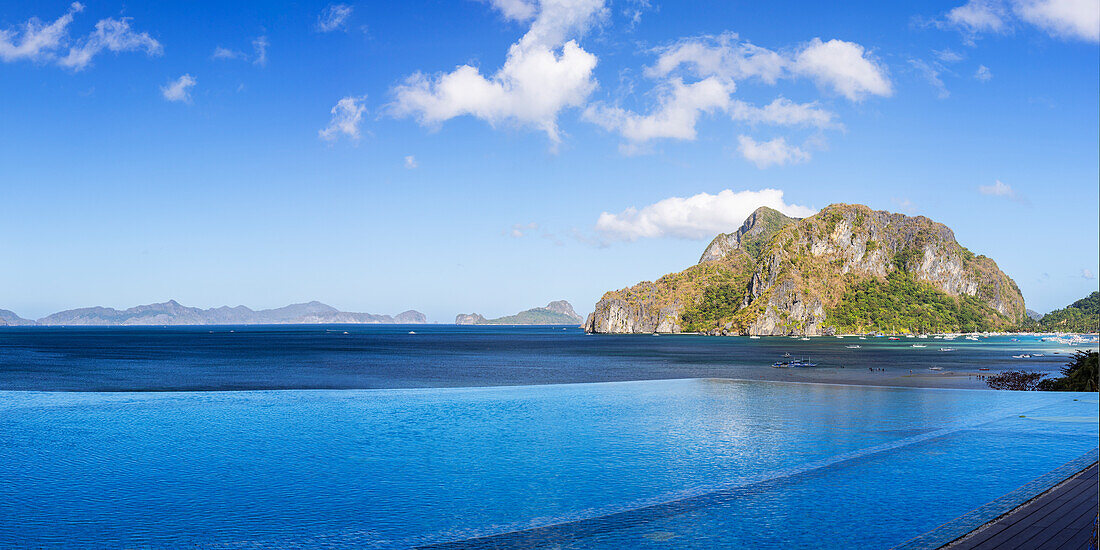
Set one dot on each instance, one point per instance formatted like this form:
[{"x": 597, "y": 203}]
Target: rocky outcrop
[
  {"x": 559, "y": 312},
  {"x": 788, "y": 273},
  {"x": 470, "y": 319}
]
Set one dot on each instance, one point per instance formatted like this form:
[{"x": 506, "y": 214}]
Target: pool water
[{"x": 691, "y": 463}]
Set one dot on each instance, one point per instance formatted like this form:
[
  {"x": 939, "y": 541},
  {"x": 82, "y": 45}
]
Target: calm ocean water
[
  {"x": 409, "y": 451},
  {"x": 380, "y": 356}
]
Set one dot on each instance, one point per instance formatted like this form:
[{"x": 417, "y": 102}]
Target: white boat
[
  {"x": 935, "y": 368},
  {"x": 754, "y": 337},
  {"x": 410, "y": 332},
  {"x": 862, "y": 337},
  {"x": 918, "y": 346},
  {"x": 947, "y": 349},
  {"x": 1023, "y": 356},
  {"x": 853, "y": 346},
  {"x": 804, "y": 339}
]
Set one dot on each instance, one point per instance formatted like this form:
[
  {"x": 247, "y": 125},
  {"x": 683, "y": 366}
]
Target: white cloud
[
  {"x": 521, "y": 229},
  {"x": 259, "y": 45},
  {"x": 932, "y": 75},
  {"x": 37, "y": 41},
  {"x": 179, "y": 89},
  {"x": 40, "y": 42},
  {"x": 346, "y": 117},
  {"x": 845, "y": 67},
  {"x": 679, "y": 108},
  {"x": 697, "y": 217},
  {"x": 770, "y": 153},
  {"x": 784, "y": 112},
  {"x": 1088, "y": 274},
  {"x": 545, "y": 72},
  {"x": 983, "y": 73},
  {"x": 226, "y": 53},
  {"x": 515, "y": 10},
  {"x": 723, "y": 56},
  {"x": 109, "y": 34},
  {"x": 998, "y": 189},
  {"x": 1078, "y": 19},
  {"x": 1071, "y": 19},
  {"x": 979, "y": 16},
  {"x": 948, "y": 55},
  {"x": 410, "y": 162},
  {"x": 333, "y": 17}
]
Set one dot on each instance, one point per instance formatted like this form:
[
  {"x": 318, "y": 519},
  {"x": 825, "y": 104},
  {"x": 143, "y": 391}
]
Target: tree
[
  {"x": 1080, "y": 374},
  {"x": 1017, "y": 380}
]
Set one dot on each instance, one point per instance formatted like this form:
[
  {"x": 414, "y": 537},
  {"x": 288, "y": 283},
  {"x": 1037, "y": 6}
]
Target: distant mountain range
[
  {"x": 559, "y": 312},
  {"x": 173, "y": 313}
]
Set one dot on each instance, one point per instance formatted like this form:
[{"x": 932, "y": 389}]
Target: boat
[
  {"x": 412, "y": 332},
  {"x": 910, "y": 336},
  {"x": 862, "y": 337},
  {"x": 1022, "y": 356},
  {"x": 984, "y": 368},
  {"x": 839, "y": 337},
  {"x": 781, "y": 365},
  {"x": 853, "y": 346},
  {"x": 947, "y": 349},
  {"x": 935, "y": 368},
  {"x": 804, "y": 339},
  {"x": 803, "y": 363},
  {"x": 754, "y": 337},
  {"x": 787, "y": 354},
  {"x": 893, "y": 338},
  {"x": 1036, "y": 355},
  {"x": 918, "y": 346},
  {"x": 922, "y": 336}
]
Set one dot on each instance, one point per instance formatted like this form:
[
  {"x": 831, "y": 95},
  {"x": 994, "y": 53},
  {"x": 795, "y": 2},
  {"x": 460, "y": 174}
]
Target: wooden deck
[{"x": 1060, "y": 519}]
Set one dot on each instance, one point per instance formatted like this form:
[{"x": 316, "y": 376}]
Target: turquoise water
[{"x": 691, "y": 463}]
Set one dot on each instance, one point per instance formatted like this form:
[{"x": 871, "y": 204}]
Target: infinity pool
[{"x": 695, "y": 463}]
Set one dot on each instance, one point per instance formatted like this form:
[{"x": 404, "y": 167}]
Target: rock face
[
  {"x": 786, "y": 274},
  {"x": 559, "y": 312},
  {"x": 172, "y": 313}
]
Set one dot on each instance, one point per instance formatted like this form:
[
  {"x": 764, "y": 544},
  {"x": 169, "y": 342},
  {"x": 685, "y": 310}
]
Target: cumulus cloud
[
  {"x": 410, "y": 162},
  {"x": 46, "y": 43},
  {"x": 680, "y": 106},
  {"x": 1068, "y": 19},
  {"x": 931, "y": 73},
  {"x": 784, "y": 112},
  {"x": 770, "y": 153},
  {"x": 978, "y": 16},
  {"x": 723, "y": 56},
  {"x": 1079, "y": 19},
  {"x": 179, "y": 89},
  {"x": 983, "y": 73},
  {"x": 998, "y": 189},
  {"x": 515, "y": 10},
  {"x": 545, "y": 72},
  {"x": 697, "y": 217},
  {"x": 333, "y": 17},
  {"x": 845, "y": 67},
  {"x": 346, "y": 117}
]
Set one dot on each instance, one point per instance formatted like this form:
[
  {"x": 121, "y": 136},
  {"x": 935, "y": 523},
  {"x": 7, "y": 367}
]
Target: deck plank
[{"x": 1060, "y": 518}]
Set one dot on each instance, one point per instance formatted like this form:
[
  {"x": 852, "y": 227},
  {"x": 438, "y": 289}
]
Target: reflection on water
[{"x": 684, "y": 464}]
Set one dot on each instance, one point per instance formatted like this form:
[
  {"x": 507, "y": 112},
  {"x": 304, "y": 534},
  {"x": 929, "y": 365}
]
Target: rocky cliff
[{"x": 778, "y": 275}]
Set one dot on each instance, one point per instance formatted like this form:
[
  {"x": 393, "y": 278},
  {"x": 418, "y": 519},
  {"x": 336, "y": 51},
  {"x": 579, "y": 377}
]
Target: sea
[{"x": 436, "y": 436}]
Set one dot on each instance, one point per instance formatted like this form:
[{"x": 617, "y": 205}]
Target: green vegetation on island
[
  {"x": 1080, "y": 374},
  {"x": 558, "y": 312},
  {"x": 1080, "y": 316},
  {"x": 902, "y": 305}
]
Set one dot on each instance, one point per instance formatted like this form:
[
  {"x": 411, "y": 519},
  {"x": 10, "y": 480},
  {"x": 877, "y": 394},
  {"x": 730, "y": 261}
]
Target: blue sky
[{"x": 493, "y": 156}]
